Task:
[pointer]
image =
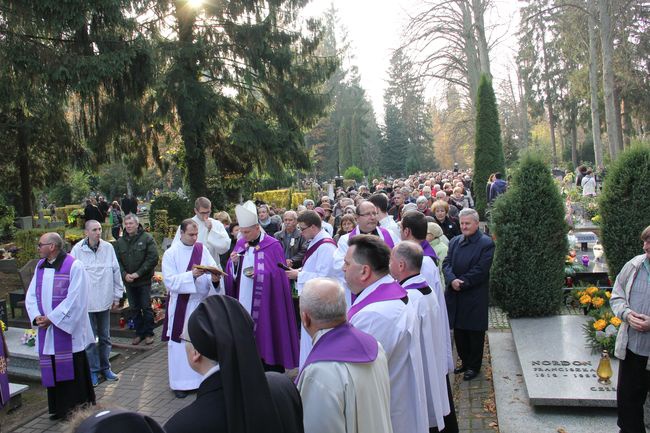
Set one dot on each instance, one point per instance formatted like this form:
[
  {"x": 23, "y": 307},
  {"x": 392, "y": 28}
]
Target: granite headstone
[{"x": 558, "y": 367}]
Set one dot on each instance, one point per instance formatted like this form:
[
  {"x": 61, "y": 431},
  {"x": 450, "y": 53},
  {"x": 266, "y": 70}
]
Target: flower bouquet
[
  {"x": 3, "y": 326},
  {"x": 591, "y": 298},
  {"x": 29, "y": 337},
  {"x": 601, "y": 330},
  {"x": 158, "y": 286}
]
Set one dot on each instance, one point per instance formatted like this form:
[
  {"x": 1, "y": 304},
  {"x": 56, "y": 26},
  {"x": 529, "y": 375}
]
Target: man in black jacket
[
  {"x": 293, "y": 243},
  {"x": 467, "y": 275},
  {"x": 235, "y": 395},
  {"x": 137, "y": 255}
]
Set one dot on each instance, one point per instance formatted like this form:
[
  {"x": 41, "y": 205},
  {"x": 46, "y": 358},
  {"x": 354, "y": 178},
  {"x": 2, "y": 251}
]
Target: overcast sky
[{"x": 374, "y": 28}]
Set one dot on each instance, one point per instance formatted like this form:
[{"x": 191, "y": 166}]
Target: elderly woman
[
  {"x": 440, "y": 210},
  {"x": 423, "y": 205},
  {"x": 439, "y": 243},
  {"x": 631, "y": 303},
  {"x": 458, "y": 199}
]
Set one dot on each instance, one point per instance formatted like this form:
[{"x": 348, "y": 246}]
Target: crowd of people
[{"x": 387, "y": 275}]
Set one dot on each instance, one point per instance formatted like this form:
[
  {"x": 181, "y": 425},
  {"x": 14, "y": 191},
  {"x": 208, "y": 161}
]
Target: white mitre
[{"x": 246, "y": 214}]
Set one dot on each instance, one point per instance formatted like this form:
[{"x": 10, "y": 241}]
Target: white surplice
[
  {"x": 71, "y": 315},
  {"x": 346, "y": 397},
  {"x": 434, "y": 361},
  {"x": 395, "y": 326},
  {"x": 179, "y": 280},
  {"x": 339, "y": 257},
  {"x": 429, "y": 271},
  {"x": 389, "y": 224},
  {"x": 319, "y": 265},
  {"x": 216, "y": 240}
]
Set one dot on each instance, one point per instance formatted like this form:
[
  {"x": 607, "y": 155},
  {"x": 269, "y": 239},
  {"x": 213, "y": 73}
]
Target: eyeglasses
[
  {"x": 204, "y": 213},
  {"x": 368, "y": 214},
  {"x": 303, "y": 228},
  {"x": 42, "y": 245}
]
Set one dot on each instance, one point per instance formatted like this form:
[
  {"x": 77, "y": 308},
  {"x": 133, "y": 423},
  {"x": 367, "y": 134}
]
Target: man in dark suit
[
  {"x": 293, "y": 244},
  {"x": 467, "y": 275},
  {"x": 235, "y": 395}
]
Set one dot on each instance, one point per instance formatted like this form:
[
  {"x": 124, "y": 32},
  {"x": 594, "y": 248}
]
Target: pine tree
[
  {"x": 527, "y": 272},
  {"x": 488, "y": 152}
]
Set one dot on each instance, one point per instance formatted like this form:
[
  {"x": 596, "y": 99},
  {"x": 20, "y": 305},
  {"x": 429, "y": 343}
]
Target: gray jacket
[{"x": 620, "y": 302}]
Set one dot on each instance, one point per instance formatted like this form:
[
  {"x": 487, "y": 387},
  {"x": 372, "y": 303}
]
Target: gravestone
[
  {"x": 166, "y": 243},
  {"x": 584, "y": 238},
  {"x": 558, "y": 368}
]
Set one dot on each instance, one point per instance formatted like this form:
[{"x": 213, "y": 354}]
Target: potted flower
[{"x": 28, "y": 338}]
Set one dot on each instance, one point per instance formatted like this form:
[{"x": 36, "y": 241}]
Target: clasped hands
[
  {"x": 640, "y": 322},
  {"x": 456, "y": 284},
  {"x": 42, "y": 321}
]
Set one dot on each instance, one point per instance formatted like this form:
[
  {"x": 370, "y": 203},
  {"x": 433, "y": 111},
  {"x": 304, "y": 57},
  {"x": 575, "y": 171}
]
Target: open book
[{"x": 211, "y": 269}]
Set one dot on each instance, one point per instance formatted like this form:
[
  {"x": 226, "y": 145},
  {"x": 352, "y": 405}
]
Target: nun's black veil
[{"x": 222, "y": 330}]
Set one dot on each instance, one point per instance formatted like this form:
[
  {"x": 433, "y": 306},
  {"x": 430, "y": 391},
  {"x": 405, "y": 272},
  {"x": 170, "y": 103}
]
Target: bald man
[
  {"x": 57, "y": 303},
  {"x": 344, "y": 384}
]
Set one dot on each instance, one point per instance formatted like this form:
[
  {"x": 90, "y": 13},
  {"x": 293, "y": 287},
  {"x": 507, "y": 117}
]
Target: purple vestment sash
[
  {"x": 62, "y": 340},
  {"x": 312, "y": 248},
  {"x": 421, "y": 286},
  {"x": 384, "y": 292},
  {"x": 4, "y": 377},
  {"x": 384, "y": 234},
  {"x": 345, "y": 343},
  {"x": 427, "y": 250},
  {"x": 181, "y": 300}
]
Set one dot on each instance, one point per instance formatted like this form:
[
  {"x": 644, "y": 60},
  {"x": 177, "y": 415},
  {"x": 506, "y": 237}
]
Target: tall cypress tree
[
  {"x": 488, "y": 153},
  {"x": 530, "y": 241}
]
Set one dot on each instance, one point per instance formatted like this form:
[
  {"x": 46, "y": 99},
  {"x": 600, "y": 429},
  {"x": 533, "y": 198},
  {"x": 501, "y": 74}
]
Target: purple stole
[
  {"x": 427, "y": 250},
  {"x": 258, "y": 274},
  {"x": 385, "y": 234},
  {"x": 181, "y": 301},
  {"x": 345, "y": 343},
  {"x": 421, "y": 287},
  {"x": 4, "y": 377},
  {"x": 384, "y": 292},
  {"x": 62, "y": 340},
  {"x": 312, "y": 249}
]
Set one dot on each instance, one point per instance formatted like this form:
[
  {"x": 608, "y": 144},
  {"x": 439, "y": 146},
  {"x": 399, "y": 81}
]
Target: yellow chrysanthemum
[
  {"x": 597, "y": 302},
  {"x": 585, "y": 299},
  {"x": 581, "y": 293},
  {"x": 608, "y": 294},
  {"x": 615, "y": 321},
  {"x": 591, "y": 290},
  {"x": 599, "y": 325}
]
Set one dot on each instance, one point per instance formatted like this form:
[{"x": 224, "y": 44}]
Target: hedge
[
  {"x": 26, "y": 241},
  {"x": 178, "y": 208},
  {"x": 527, "y": 272},
  {"x": 286, "y": 198},
  {"x": 625, "y": 206}
]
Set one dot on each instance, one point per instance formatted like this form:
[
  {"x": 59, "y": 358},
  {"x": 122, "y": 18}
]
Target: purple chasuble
[
  {"x": 62, "y": 340},
  {"x": 345, "y": 343},
  {"x": 384, "y": 234},
  {"x": 181, "y": 300},
  {"x": 272, "y": 308},
  {"x": 312, "y": 248},
  {"x": 4, "y": 377},
  {"x": 384, "y": 292},
  {"x": 428, "y": 250}
]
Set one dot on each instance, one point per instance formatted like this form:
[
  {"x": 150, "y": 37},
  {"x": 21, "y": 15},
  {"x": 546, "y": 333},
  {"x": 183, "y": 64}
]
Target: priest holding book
[{"x": 188, "y": 285}]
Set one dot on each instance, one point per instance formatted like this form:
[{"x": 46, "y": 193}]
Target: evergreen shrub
[
  {"x": 625, "y": 206},
  {"x": 7, "y": 216},
  {"x": 178, "y": 208},
  {"x": 26, "y": 241},
  {"x": 353, "y": 172},
  {"x": 488, "y": 152},
  {"x": 527, "y": 273}
]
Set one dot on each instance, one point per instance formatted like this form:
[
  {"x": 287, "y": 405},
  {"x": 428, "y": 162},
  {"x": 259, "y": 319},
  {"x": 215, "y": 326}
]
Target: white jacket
[{"x": 103, "y": 272}]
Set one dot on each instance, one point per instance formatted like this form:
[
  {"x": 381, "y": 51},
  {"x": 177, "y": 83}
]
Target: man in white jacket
[{"x": 105, "y": 290}]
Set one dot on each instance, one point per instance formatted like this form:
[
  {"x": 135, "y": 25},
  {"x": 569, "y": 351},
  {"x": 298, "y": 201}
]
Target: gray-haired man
[{"x": 138, "y": 256}]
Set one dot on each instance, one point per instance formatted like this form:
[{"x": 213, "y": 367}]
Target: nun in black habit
[{"x": 235, "y": 396}]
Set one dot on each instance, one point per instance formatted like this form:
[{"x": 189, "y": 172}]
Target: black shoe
[
  {"x": 180, "y": 394},
  {"x": 461, "y": 369},
  {"x": 53, "y": 417},
  {"x": 470, "y": 374}
]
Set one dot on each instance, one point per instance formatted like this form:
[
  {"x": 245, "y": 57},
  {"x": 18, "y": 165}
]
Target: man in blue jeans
[
  {"x": 105, "y": 290},
  {"x": 138, "y": 257}
]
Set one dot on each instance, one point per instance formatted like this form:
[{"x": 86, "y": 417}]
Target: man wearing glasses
[
  {"x": 212, "y": 234},
  {"x": 317, "y": 263},
  {"x": 57, "y": 303}
]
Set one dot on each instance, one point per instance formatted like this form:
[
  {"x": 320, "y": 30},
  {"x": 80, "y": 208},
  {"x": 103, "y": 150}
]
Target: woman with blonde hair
[{"x": 440, "y": 210}]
